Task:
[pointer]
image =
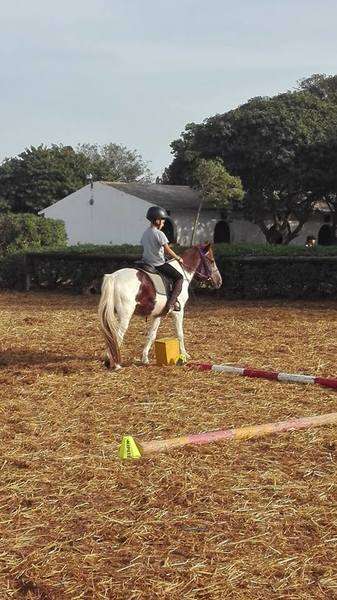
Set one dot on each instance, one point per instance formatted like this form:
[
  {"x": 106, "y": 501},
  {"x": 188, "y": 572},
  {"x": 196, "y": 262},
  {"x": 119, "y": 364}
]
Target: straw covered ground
[{"x": 254, "y": 519}]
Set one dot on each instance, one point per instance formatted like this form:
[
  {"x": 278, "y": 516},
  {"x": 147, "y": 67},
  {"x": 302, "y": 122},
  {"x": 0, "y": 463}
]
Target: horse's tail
[{"x": 108, "y": 321}]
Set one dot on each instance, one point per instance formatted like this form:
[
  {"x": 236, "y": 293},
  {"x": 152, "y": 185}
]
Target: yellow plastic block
[{"x": 167, "y": 351}]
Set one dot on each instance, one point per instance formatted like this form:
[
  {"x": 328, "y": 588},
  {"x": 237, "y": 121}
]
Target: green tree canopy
[
  {"x": 265, "y": 142},
  {"x": 26, "y": 231},
  {"x": 322, "y": 157},
  {"x": 321, "y": 85},
  {"x": 41, "y": 175},
  {"x": 116, "y": 162},
  {"x": 217, "y": 187}
]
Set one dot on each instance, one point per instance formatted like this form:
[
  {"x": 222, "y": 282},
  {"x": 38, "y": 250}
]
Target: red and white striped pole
[{"x": 328, "y": 382}]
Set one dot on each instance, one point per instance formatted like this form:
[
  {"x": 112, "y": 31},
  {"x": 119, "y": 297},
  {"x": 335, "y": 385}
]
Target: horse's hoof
[
  {"x": 106, "y": 362},
  {"x": 110, "y": 365},
  {"x": 145, "y": 361},
  {"x": 182, "y": 359}
]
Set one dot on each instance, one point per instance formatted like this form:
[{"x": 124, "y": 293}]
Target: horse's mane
[{"x": 191, "y": 258}]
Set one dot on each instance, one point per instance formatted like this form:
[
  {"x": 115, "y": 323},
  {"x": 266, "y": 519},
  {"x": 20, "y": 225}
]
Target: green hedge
[
  {"x": 25, "y": 231},
  {"x": 230, "y": 250},
  {"x": 76, "y": 271},
  {"x": 12, "y": 271},
  {"x": 278, "y": 277},
  {"x": 259, "y": 271},
  {"x": 90, "y": 250}
]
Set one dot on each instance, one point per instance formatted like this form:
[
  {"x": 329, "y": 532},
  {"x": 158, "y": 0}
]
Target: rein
[{"x": 203, "y": 271}]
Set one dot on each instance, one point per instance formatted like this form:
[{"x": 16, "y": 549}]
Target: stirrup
[{"x": 169, "y": 309}]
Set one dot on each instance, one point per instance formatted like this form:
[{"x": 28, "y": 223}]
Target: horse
[{"x": 130, "y": 291}]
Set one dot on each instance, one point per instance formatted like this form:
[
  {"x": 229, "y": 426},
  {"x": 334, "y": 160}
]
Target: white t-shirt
[{"x": 153, "y": 242}]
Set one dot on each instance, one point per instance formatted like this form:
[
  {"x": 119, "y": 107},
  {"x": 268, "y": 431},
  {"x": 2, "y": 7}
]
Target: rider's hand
[{"x": 180, "y": 259}]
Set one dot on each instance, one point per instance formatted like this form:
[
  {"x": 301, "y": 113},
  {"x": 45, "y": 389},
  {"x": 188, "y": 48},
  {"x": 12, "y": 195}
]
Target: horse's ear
[{"x": 208, "y": 251}]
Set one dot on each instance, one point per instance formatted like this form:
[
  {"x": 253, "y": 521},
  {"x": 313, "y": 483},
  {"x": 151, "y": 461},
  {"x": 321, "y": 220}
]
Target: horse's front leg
[
  {"x": 178, "y": 317},
  {"x": 151, "y": 336}
]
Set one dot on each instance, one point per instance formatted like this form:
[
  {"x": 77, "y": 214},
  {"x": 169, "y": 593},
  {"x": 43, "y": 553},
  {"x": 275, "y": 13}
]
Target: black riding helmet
[{"x": 155, "y": 212}]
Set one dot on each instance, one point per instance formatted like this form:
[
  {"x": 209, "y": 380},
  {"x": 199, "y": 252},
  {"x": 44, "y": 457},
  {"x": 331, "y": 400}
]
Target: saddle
[{"x": 162, "y": 284}]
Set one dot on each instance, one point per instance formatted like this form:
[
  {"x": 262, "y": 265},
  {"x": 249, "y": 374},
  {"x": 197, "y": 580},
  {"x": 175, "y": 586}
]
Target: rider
[{"x": 155, "y": 246}]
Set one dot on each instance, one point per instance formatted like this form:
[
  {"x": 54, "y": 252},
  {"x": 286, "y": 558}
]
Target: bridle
[{"x": 204, "y": 269}]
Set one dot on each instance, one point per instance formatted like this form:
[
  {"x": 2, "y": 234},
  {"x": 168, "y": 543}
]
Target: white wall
[
  {"x": 119, "y": 218},
  {"x": 184, "y": 221},
  {"x": 244, "y": 231},
  {"x": 114, "y": 218},
  {"x": 312, "y": 227},
  {"x": 240, "y": 230}
]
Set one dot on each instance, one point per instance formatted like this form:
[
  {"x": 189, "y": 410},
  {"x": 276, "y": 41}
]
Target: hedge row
[
  {"x": 304, "y": 273},
  {"x": 89, "y": 250},
  {"x": 279, "y": 277},
  {"x": 230, "y": 250}
]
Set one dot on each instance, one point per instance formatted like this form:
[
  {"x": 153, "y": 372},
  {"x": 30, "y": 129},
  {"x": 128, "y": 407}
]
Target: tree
[
  {"x": 321, "y": 85},
  {"x": 217, "y": 187},
  {"x": 117, "y": 162},
  {"x": 26, "y": 231},
  {"x": 265, "y": 143},
  {"x": 322, "y": 157},
  {"x": 41, "y": 175}
]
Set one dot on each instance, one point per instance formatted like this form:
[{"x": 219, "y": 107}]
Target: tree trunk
[
  {"x": 196, "y": 221},
  {"x": 332, "y": 208},
  {"x": 292, "y": 234},
  {"x": 334, "y": 227},
  {"x": 264, "y": 230}
]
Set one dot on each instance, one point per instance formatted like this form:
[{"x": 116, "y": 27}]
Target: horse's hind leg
[
  {"x": 123, "y": 324},
  {"x": 122, "y": 328},
  {"x": 151, "y": 336}
]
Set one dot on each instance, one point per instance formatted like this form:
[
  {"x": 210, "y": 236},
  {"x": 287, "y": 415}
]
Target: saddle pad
[{"x": 157, "y": 281}]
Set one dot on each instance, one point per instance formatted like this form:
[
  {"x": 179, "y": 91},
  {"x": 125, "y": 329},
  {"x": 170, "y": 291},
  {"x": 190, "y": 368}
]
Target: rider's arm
[{"x": 170, "y": 252}]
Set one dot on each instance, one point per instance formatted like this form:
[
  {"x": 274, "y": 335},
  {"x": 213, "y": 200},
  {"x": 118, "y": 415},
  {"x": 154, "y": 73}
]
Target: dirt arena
[{"x": 254, "y": 519}]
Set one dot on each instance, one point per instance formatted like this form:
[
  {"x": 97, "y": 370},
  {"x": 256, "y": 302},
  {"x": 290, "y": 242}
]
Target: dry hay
[{"x": 249, "y": 520}]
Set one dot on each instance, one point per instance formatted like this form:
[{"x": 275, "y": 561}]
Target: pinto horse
[{"x": 130, "y": 291}]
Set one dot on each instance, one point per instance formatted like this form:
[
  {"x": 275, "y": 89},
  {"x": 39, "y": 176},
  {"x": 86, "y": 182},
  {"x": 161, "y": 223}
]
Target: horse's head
[{"x": 207, "y": 270}]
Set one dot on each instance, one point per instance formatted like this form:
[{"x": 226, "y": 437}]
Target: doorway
[
  {"x": 168, "y": 229},
  {"x": 222, "y": 234},
  {"x": 325, "y": 235}
]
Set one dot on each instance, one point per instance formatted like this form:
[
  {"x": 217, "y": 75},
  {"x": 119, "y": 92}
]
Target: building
[{"x": 114, "y": 213}]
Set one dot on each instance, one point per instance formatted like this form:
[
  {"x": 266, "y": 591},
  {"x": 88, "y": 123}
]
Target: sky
[{"x": 135, "y": 72}]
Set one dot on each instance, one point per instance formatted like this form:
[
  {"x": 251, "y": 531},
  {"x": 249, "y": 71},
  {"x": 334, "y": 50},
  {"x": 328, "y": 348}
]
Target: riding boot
[{"x": 172, "y": 303}]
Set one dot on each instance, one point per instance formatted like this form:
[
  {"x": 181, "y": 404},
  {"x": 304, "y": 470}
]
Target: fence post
[{"x": 28, "y": 279}]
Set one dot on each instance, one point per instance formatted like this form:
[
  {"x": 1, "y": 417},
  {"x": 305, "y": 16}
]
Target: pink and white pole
[
  {"x": 328, "y": 382},
  {"x": 239, "y": 433}
]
